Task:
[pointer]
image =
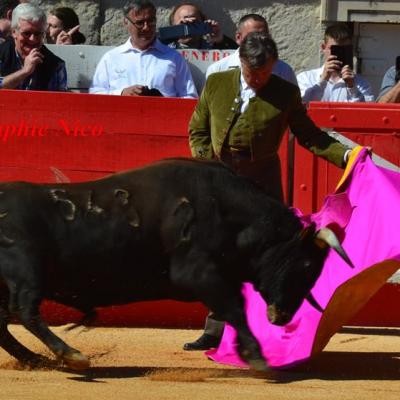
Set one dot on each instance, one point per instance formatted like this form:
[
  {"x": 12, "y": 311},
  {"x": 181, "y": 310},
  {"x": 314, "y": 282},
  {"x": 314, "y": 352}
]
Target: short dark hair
[
  {"x": 185, "y": 3},
  {"x": 138, "y": 5},
  {"x": 6, "y": 6},
  {"x": 339, "y": 32},
  {"x": 69, "y": 20},
  {"x": 254, "y": 17},
  {"x": 257, "y": 49}
]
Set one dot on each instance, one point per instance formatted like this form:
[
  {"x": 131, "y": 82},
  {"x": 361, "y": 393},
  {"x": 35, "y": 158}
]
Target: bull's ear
[
  {"x": 250, "y": 237},
  {"x": 183, "y": 218},
  {"x": 308, "y": 232}
]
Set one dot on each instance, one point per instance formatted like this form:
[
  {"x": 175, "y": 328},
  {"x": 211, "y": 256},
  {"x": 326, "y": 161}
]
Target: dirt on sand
[{"x": 130, "y": 363}]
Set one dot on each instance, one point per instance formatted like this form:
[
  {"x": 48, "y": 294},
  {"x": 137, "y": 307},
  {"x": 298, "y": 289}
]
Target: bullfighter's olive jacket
[{"x": 217, "y": 121}]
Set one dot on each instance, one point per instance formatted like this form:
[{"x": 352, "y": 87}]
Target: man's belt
[
  {"x": 245, "y": 153},
  {"x": 234, "y": 153}
]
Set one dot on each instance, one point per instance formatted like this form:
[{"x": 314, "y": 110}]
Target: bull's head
[{"x": 285, "y": 272}]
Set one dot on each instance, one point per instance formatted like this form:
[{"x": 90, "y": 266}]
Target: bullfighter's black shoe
[{"x": 204, "y": 342}]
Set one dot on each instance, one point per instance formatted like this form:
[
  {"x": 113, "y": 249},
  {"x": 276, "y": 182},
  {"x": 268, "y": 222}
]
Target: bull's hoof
[
  {"x": 258, "y": 364},
  {"x": 255, "y": 362},
  {"x": 76, "y": 360},
  {"x": 36, "y": 361}
]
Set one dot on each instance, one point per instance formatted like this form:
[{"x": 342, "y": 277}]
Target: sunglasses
[
  {"x": 28, "y": 34},
  {"x": 151, "y": 22}
]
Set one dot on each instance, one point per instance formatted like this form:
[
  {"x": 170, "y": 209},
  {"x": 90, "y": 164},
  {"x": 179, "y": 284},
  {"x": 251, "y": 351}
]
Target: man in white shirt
[
  {"x": 143, "y": 66},
  {"x": 334, "y": 81},
  {"x": 251, "y": 23}
]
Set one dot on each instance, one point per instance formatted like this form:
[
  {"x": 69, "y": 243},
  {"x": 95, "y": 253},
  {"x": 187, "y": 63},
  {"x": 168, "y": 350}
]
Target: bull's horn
[
  {"x": 311, "y": 299},
  {"x": 327, "y": 236}
]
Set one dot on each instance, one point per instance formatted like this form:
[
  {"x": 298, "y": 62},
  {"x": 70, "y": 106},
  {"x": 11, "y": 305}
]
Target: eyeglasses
[
  {"x": 28, "y": 34},
  {"x": 151, "y": 22}
]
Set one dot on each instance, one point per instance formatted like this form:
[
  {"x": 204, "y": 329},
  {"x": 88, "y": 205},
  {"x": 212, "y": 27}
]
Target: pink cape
[{"x": 366, "y": 207}]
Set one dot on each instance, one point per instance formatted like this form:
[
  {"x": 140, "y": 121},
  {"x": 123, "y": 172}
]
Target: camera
[
  {"x": 170, "y": 33},
  {"x": 151, "y": 92}
]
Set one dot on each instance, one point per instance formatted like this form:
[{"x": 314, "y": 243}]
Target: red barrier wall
[
  {"x": 370, "y": 124},
  {"x": 88, "y": 136}
]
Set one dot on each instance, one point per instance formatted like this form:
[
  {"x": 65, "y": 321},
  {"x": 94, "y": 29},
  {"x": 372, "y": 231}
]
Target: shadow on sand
[{"x": 328, "y": 366}]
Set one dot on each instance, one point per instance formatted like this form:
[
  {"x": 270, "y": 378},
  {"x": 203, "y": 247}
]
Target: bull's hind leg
[
  {"x": 28, "y": 301},
  {"x": 23, "y": 276},
  {"x": 12, "y": 346}
]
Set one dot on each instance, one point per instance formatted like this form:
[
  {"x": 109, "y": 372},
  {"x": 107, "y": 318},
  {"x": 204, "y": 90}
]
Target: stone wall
[{"x": 294, "y": 24}]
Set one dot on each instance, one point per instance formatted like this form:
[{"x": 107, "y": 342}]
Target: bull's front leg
[
  {"x": 230, "y": 307},
  {"x": 195, "y": 270}
]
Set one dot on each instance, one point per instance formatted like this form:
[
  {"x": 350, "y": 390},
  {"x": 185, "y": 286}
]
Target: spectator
[
  {"x": 240, "y": 120},
  {"x": 334, "y": 81},
  {"x": 251, "y": 23},
  {"x": 187, "y": 13},
  {"x": 390, "y": 88},
  {"x": 143, "y": 65},
  {"x": 25, "y": 63},
  {"x": 6, "y": 9},
  {"x": 63, "y": 27}
]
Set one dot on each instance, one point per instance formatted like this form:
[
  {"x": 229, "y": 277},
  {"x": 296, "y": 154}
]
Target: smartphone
[
  {"x": 343, "y": 54},
  {"x": 170, "y": 33},
  {"x": 397, "y": 76}
]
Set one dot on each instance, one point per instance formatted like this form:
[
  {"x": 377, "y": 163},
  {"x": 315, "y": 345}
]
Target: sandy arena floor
[{"x": 127, "y": 363}]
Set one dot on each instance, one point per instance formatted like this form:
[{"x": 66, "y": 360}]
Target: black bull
[{"x": 177, "y": 229}]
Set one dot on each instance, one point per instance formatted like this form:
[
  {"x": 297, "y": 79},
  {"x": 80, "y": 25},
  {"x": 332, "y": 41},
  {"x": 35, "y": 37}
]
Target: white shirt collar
[
  {"x": 244, "y": 87},
  {"x": 157, "y": 45},
  {"x": 243, "y": 83},
  {"x": 246, "y": 93}
]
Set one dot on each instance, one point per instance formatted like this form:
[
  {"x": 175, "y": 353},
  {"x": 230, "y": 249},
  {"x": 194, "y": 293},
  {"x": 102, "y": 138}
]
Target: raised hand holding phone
[{"x": 331, "y": 65}]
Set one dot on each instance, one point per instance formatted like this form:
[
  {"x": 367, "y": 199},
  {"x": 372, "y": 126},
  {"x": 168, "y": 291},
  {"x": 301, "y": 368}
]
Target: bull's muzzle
[{"x": 277, "y": 316}]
